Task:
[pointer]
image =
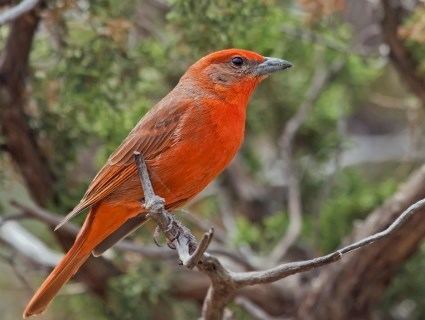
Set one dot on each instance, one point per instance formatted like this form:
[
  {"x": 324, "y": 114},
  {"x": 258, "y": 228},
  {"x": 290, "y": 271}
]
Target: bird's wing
[{"x": 155, "y": 133}]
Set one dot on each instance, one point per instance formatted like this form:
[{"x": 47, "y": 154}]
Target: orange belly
[{"x": 198, "y": 156}]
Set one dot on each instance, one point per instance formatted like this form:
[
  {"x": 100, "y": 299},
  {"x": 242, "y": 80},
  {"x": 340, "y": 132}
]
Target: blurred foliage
[
  {"x": 104, "y": 78},
  {"x": 352, "y": 197},
  {"x": 70, "y": 307},
  {"x": 136, "y": 295},
  {"x": 406, "y": 295},
  {"x": 92, "y": 85}
]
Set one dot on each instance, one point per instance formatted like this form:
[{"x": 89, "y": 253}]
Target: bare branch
[
  {"x": 199, "y": 251},
  {"x": 394, "y": 226},
  {"x": 287, "y": 269},
  {"x": 11, "y": 14},
  {"x": 367, "y": 273},
  {"x": 224, "y": 283}
]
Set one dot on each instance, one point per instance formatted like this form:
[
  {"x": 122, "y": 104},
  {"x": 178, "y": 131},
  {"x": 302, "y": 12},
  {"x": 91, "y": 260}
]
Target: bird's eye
[{"x": 237, "y": 61}]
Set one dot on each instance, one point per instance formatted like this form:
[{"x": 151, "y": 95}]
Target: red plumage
[{"x": 187, "y": 139}]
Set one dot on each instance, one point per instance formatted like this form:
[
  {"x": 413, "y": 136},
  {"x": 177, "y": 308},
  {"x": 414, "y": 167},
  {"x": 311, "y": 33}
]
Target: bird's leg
[
  {"x": 178, "y": 236},
  {"x": 170, "y": 227}
]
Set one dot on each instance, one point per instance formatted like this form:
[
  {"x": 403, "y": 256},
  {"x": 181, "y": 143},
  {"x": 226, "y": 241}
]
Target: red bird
[{"x": 187, "y": 139}]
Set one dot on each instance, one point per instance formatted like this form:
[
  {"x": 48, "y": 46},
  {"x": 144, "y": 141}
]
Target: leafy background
[{"x": 97, "y": 67}]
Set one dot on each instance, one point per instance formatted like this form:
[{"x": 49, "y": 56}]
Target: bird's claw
[
  {"x": 170, "y": 226},
  {"x": 171, "y": 245},
  {"x": 157, "y": 234}
]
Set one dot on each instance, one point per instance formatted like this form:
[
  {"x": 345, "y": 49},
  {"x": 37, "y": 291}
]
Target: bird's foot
[{"x": 171, "y": 225}]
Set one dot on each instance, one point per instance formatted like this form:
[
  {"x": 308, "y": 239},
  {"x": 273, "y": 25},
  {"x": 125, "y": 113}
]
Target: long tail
[
  {"x": 101, "y": 221},
  {"x": 66, "y": 268}
]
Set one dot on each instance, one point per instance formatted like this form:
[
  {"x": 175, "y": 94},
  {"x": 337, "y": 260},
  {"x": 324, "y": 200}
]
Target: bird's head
[{"x": 234, "y": 71}]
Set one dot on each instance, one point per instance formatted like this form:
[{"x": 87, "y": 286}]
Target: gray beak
[{"x": 271, "y": 65}]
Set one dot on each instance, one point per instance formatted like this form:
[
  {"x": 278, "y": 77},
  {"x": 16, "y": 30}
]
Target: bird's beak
[{"x": 270, "y": 65}]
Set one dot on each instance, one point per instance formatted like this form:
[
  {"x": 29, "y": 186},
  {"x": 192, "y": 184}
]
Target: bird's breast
[{"x": 207, "y": 141}]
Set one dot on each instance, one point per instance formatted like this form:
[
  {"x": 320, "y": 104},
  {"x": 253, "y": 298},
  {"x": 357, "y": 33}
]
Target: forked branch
[{"x": 225, "y": 283}]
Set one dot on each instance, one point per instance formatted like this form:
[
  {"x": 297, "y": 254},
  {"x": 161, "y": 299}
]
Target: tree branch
[
  {"x": 225, "y": 283},
  {"x": 354, "y": 286},
  {"x": 287, "y": 269}
]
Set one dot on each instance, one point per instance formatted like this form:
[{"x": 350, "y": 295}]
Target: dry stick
[
  {"x": 199, "y": 251},
  {"x": 12, "y": 13},
  {"x": 224, "y": 283},
  {"x": 287, "y": 269}
]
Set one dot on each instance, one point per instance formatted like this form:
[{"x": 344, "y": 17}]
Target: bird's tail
[
  {"x": 59, "y": 276},
  {"x": 99, "y": 224}
]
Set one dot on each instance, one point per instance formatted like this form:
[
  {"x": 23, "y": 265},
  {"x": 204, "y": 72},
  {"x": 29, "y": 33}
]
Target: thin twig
[
  {"x": 287, "y": 269},
  {"x": 392, "y": 227},
  {"x": 199, "y": 251},
  {"x": 224, "y": 283},
  {"x": 14, "y": 12}
]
